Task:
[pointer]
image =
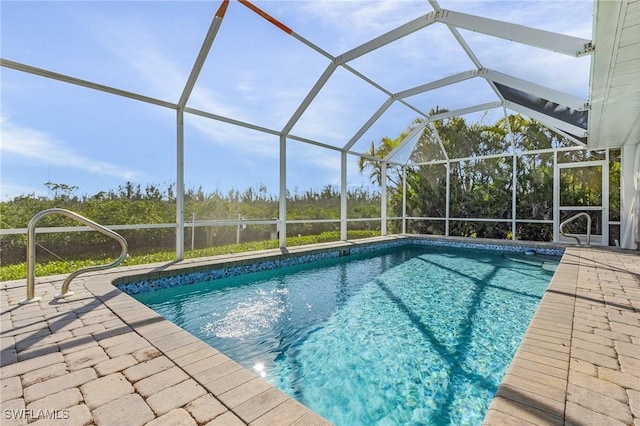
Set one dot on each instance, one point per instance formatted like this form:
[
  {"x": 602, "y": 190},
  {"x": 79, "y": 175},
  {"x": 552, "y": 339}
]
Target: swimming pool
[{"x": 412, "y": 334}]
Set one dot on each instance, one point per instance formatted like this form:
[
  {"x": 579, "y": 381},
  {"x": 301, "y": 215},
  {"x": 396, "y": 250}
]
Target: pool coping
[
  {"x": 525, "y": 394},
  {"x": 207, "y": 269},
  {"x": 579, "y": 360}
]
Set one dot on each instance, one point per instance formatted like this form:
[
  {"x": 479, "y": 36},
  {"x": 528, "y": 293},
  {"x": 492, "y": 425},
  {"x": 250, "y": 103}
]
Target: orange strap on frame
[
  {"x": 222, "y": 9},
  {"x": 268, "y": 17}
]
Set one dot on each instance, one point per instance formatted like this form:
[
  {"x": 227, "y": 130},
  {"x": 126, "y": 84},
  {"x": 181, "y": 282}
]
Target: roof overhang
[{"x": 614, "y": 117}]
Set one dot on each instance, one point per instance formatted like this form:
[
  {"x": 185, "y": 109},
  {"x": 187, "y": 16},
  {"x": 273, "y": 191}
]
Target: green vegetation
[
  {"x": 482, "y": 188},
  {"x": 63, "y": 252},
  {"x": 18, "y": 271}
]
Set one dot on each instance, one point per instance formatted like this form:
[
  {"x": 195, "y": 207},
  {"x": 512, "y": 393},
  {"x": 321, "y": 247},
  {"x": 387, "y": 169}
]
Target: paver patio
[
  {"x": 579, "y": 362},
  {"x": 100, "y": 357}
]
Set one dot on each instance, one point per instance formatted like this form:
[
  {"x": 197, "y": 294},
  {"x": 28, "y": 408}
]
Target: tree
[
  {"x": 61, "y": 191},
  {"x": 479, "y": 187},
  {"x": 384, "y": 148}
]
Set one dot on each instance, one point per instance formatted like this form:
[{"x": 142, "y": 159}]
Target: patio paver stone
[{"x": 100, "y": 357}]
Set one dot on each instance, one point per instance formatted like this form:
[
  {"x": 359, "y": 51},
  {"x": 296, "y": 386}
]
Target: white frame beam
[
  {"x": 324, "y": 53},
  {"x": 282, "y": 205},
  {"x": 431, "y": 119},
  {"x": 203, "y": 53},
  {"x": 448, "y": 199},
  {"x": 461, "y": 41},
  {"x": 568, "y": 136},
  {"x": 376, "y": 115},
  {"x": 446, "y": 81},
  {"x": 514, "y": 175},
  {"x": 463, "y": 111},
  {"x": 501, "y": 155},
  {"x": 534, "y": 89},
  {"x": 84, "y": 83},
  {"x": 439, "y": 139},
  {"x": 343, "y": 196},
  {"x": 459, "y": 38},
  {"x": 309, "y": 98},
  {"x": 179, "y": 184},
  {"x": 383, "y": 199},
  {"x": 404, "y": 199},
  {"x": 186, "y": 92},
  {"x": 391, "y": 36},
  {"x": 560, "y": 43},
  {"x": 466, "y": 75},
  {"x": 547, "y": 120},
  {"x": 408, "y": 138}
]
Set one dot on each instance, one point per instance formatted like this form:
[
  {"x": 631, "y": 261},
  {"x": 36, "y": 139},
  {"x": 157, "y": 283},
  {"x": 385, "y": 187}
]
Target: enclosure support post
[
  {"x": 184, "y": 97},
  {"x": 605, "y": 199},
  {"x": 383, "y": 199},
  {"x": 514, "y": 173},
  {"x": 282, "y": 221},
  {"x": 630, "y": 197},
  {"x": 556, "y": 198},
  {"x": 404, "y": 199},
  {"x": 193, "y": 229},
  {"x": 180, "y": 185},
  {"x": 343, "y": 196},
  {"x": 514, "y": 192},
  {"x": 447, "y": 199}
]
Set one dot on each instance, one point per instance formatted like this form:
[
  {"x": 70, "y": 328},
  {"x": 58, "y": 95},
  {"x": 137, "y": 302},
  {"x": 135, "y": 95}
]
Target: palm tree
[{"x": 386, "y": 146}]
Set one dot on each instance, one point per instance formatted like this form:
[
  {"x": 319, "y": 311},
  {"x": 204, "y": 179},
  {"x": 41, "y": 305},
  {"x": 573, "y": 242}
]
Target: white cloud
[
  {"x": 138, "y": 46},
  {"x": 236, "y": 138},
  {"x": 205, "y": 99},
  {"x": 34, "y": 145},
  {"x": 365, "y": 21},
  {"x": 328, "y": 160},
  {"x": 138, "y": 49},
  {"x": 246, "y": 84},
  {"x": 327, "y": 120},
  {"x": 166, "y": 79}
]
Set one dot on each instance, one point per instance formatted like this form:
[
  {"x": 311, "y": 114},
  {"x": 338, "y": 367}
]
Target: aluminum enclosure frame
[{"x": 559, "y": 43}]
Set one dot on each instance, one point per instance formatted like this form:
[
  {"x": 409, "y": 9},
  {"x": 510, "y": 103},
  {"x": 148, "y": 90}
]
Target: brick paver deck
[
  {"x": 579, "y": 362},
  {"x": 100, "y": 357}
]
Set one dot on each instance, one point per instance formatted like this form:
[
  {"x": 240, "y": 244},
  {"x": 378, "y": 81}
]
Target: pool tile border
[{"x": 143, "y": 284}]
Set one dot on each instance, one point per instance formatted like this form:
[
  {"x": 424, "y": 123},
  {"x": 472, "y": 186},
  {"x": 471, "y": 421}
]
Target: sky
[{"x": 56, "y": 132}]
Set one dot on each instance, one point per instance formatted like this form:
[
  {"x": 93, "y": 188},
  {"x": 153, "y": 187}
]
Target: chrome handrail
[
  {"x": 571, "y": 219},
  {"x": 31, "y": 252}
]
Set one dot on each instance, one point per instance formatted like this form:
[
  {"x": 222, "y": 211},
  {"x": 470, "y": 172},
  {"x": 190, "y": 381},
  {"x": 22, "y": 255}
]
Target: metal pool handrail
[
  {"x": 31, "y": 252},
  {"x": 571, "y": 219}
]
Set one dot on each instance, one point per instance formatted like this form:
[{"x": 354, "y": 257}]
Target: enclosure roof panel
[{"x": 338, "y": 75}]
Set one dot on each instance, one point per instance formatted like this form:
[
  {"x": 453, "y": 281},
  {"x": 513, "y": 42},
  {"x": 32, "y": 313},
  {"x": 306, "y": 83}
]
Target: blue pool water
[{"x": 413, "y": 335}]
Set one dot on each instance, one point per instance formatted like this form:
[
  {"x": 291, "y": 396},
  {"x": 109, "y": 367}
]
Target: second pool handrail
[{"x": 571, "y": 219}]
